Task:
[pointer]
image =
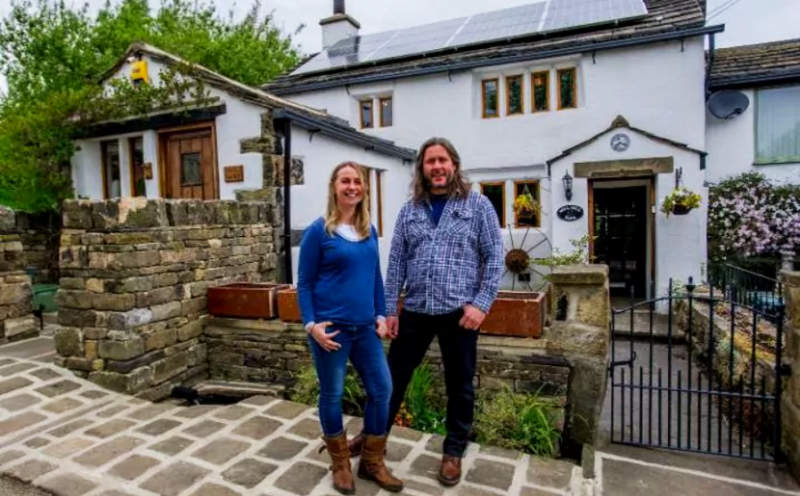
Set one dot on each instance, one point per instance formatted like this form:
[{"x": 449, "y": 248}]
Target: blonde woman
[{"x": 340, "y": 291}]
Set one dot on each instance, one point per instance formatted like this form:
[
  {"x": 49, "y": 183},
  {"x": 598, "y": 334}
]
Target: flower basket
[
  {"x": 525, "y": 205},
  {"x": 680, "y": 202}
]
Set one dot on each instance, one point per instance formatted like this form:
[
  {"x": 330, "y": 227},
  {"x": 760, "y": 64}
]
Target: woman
[{"x": 340, "y": 291}]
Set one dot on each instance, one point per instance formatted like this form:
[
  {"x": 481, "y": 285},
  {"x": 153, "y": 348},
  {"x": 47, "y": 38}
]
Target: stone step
[
  {"x": 50, "y": 318},
  {"x": 238, "y": 389}
]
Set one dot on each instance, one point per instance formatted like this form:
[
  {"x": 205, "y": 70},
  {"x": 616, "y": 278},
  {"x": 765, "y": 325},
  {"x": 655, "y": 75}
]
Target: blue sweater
[{"x": 339, "y": 280}]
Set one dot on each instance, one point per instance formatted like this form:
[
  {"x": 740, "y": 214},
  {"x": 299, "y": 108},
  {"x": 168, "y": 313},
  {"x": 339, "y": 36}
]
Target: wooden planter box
[
  {"x": 288, "y": 308},
  {"x": 246, "y": 300},
  {"x": 516, "y": 313}
]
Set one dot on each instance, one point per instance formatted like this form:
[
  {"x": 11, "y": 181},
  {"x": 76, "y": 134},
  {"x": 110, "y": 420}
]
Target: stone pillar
[
  {"x": 790, "y": 401},
  {"x": 16, "y": 297},
  {"x": 134, "y": 275},
  {"x": 581, "y": 314}
]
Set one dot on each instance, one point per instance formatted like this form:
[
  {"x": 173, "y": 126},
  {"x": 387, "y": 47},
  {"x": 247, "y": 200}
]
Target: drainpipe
[
  {"x": 710, "y": 61},
  {"x": 287, "y": 200}
]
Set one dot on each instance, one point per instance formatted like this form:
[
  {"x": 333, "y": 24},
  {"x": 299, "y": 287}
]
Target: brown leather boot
[
  {"x": 450, "y": 471},
  {"x": 340, "y": 456},
  {"x": 372, "y": 467},
  {"x": 356, "y": 444}
]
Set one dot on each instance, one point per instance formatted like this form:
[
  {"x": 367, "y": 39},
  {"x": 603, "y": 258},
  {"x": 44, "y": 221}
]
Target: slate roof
[
  {"x": 302, "y": 115},
  {"x": 666, "y": 19},
  {"x": 753, "y": 65}
]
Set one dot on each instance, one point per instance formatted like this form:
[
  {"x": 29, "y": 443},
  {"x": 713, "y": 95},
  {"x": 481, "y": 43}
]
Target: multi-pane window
[
  {"x": 778, "y": 125},
  {"x": 495, "y": 192},
  {"x": 514, "y": 101},
  {"x": 540, "y": 90},
  {"x": 489, "y": 97},
  {"x": 532, "y": 216},
  {"x": 110, "y": 162},
  {"x": 365, "y": 110},
  {"x": 567, "y": 94},
  {"x": 386, "y": 111}
]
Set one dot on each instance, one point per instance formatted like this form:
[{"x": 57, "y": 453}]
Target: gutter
[
  {"x": 483, "y": 62},
  {"x": 350, "y": 136},
  {"x": 789, "y": 76}
]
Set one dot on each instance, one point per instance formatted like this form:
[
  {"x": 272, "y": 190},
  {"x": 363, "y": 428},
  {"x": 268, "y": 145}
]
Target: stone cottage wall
[
  {"x": 134, "y": 275},
  {"x": 16, "y": 319},
  {"x": 790, "y": 401}
]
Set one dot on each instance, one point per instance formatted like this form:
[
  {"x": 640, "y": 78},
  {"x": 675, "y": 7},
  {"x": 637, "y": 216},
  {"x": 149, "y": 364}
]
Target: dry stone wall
[
  {"x": 790, "y": 401},
  {"x": 16, "y": 317},
  {"x": 134, "y": 275}
]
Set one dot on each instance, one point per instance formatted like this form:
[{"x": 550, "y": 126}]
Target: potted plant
[
  {"x": 680, "y": 201},
  {"x": 525, "y": 205}
]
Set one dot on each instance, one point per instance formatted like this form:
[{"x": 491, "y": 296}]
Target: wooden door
[{"x": 190, "y": 165}]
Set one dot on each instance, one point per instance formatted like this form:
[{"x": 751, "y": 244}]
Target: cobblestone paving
[{"x": 68, "y": 436}]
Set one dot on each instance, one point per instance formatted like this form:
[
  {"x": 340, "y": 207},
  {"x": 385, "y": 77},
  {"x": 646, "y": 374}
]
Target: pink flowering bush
[{"x": 748, "y": 216}]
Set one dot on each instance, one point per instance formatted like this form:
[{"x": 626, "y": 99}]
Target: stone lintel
[
  {"x": 340, "y": 17},
  {"x": 624, "y": 168},
  {"x": 584, "y": 275}
]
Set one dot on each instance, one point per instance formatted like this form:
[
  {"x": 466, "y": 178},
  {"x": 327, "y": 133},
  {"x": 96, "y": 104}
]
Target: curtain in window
[{"x": 778, "y": 125}]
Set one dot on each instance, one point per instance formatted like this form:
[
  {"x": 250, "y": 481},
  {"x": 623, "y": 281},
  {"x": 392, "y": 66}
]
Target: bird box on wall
[{"x": 139, "y": 71}]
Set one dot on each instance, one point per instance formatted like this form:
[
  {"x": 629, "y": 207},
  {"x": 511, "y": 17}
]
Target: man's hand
[
  {"x": 381, "y": 329},
  {"x": 325, "y": 339},
  {"x": 392, "y": 326},
  {"x": 472, "y": 318}
]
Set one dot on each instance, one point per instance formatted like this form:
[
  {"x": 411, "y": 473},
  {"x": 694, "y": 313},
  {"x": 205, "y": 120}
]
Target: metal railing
[{"x": 745, "y": 287}]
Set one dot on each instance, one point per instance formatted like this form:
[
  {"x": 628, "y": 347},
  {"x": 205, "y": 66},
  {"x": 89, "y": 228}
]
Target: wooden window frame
[
  {"x": 574, "y": 72},
  {"x": 546, "y": 91},
  {"x": 379, "y": 199},
  {"x": 131, "y": 141},
  {"x": 104, "y": 165},
  {"x": 502, "y": 184},
  {"x": 521, "y": 94},
  {"x": 483, "y": 98},
  {"x": 380, "y": 111},
  {"x": 371, "y": 113},
  {"x": 538, "y": 198}
]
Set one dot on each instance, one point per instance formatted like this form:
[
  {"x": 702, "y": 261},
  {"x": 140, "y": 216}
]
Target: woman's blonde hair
[{"x": 361, "y": 216}]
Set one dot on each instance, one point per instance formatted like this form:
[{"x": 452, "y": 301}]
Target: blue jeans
[{"x": 363, "y": 347}]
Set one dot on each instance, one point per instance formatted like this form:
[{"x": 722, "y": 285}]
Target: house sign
[
  {"x": 620, "y": 142},
  {"x": 570, "y": 212}
]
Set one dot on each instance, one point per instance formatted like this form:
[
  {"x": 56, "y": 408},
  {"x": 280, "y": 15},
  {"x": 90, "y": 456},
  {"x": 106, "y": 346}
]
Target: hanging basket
[{"x": 681, "y": 209}]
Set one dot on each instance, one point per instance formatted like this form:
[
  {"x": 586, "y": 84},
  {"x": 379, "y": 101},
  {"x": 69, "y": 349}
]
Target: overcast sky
[{"x": 746, "y": 21}]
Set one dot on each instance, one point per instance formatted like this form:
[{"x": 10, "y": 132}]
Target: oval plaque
[{"x": 570, "y": 212}]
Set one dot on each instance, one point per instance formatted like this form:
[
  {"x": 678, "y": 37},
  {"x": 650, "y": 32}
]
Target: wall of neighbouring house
[
  {"x": 731, "y": 147},
  {"x": 134, "y": 274},
  {"x": 790, "y": 407},
  {"x": 16, "y": 317}
]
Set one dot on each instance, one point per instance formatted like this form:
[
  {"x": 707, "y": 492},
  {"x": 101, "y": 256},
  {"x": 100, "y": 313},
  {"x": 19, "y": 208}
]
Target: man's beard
[{"x": 448, "y": 185}]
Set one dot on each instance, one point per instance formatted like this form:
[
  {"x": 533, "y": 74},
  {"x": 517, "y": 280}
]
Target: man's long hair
[
  {"x": 420, "y": 189},
  {"x": 361, "y": 216}
]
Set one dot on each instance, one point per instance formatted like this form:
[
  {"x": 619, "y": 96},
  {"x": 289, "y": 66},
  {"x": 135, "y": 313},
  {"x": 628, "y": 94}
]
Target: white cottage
[
  {"x": 233, "y": 147},
  {"x": 531, "y": 96},
  {"x": 757, "y": 90}
]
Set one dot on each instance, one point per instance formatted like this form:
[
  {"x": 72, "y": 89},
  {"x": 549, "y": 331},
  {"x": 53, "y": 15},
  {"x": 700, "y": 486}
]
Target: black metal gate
[{"x": 698, "y": 372}]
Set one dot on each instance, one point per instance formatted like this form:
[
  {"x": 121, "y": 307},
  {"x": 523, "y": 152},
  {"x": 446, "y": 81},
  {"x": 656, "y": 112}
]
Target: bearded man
[{"x": 446, "y": 253}]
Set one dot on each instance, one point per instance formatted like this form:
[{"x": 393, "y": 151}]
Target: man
[{"x": 447, "y": 254}]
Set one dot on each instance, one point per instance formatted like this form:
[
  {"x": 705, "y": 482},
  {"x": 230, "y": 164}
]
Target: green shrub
[
  {"x": 421, "y": 408},
  {"x": 306, "y": 390},
  {"x": 517, "y": 421}
]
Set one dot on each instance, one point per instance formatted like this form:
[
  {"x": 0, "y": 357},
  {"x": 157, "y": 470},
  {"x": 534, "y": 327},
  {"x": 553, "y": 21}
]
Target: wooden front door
[{"x": 190, "y": 165}]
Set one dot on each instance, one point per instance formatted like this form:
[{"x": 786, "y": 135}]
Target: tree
[{"x": 53, "y": 56}]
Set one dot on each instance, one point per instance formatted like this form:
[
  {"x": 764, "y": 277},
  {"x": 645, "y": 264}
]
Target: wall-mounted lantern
[{"x": 567, "y": 182}]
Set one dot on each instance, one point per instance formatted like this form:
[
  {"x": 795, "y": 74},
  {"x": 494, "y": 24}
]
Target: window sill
[{"x": 782, "y": 162}]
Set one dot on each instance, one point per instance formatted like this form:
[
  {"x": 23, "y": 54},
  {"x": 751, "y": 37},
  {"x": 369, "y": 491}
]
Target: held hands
[
  {"x": 381, "y": 329},
  {"x": 472, "y": 318},
  {"x": 325, "y": 339},
  {"x": 392, "y": 326}
]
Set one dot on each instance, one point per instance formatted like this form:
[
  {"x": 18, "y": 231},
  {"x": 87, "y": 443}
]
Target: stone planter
[
  {"x": 288, "y": 308},
  {"x": 516, "y": 313},
  {"x": 246, "y": 300}
]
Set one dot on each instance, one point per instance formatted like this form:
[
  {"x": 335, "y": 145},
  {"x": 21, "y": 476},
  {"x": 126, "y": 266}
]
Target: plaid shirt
[{"x": 444, "y": 267}]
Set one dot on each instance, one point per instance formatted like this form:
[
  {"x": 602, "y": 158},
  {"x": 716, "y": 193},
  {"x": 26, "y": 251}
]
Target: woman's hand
[
  {"x": 381, "y": 329},
  {"x": 325, "y": 339}
]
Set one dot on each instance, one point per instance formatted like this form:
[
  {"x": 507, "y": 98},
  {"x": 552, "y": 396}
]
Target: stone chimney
[{"x": 339, "y": 26}]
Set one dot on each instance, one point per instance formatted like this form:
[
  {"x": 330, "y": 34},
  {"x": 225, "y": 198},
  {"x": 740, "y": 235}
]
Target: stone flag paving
[{"x": 72, "y": 438}]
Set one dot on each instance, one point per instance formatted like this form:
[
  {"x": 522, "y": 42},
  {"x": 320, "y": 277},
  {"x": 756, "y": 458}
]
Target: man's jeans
[
  {"x": 362, "y": 345},
  {"x": 459, "y": 350}
]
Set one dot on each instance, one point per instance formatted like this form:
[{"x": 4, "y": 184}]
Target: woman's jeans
[{"x": 362, "y": 345}]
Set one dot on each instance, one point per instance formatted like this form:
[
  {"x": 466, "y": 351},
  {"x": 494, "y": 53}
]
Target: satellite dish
[{"x": 727, "y": 104}]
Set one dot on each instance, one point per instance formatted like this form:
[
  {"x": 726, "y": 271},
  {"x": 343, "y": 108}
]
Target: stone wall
[
  {"x": 134, "y": 274},
  {"x": 790, "y": 401},
  {"x": 40, "y": 235},
  {"x": 16, "y": 319}
]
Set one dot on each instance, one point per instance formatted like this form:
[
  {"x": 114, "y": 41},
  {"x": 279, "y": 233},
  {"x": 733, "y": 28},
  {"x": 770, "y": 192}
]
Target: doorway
[
  {"x": 190, "y": 165},
  {"x": 621, "y": 228}
]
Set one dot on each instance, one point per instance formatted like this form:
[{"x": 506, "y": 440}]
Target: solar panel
[{"x": 545, "y": 16}]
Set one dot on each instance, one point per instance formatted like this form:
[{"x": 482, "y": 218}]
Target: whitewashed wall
[
  {"x": 731, "y": 147},
  {"x": 320, "y": 156}
]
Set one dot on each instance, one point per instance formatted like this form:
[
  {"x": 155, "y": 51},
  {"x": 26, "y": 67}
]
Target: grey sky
[{"x": 746, "y": 21}]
